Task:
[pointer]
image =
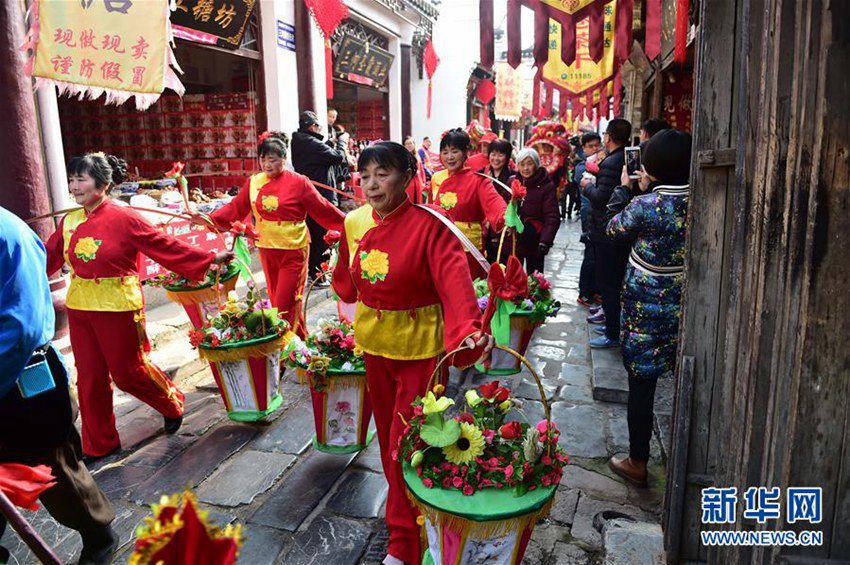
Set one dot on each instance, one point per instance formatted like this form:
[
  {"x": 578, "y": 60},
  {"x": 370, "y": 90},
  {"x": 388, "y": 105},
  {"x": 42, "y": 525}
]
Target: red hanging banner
[
  {"x": 596, "y": 43},
  {"x": 653, "y": 29},
  {"x": 485, "y": 15},
  {"x": 514, "y": 33},
  {"x": 680, "y": 54}
]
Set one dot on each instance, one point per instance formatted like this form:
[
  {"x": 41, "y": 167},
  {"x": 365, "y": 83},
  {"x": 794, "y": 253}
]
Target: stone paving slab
[
  {"x": 610, "y": 385},
  {"x": 243, "y": 478},
  {"x": 121, "y": 481},
  {"x": 328, "y": 540},
  {"x": 262, "y": 545},
  {"x": 370, "y": 458},
  {"x": 360, "y": 494},
  {"x": 159, "y": 452},
  {"x": 633, "y": 543},
  {"x": 301, "y": 490},
  {"x": 201, "y": 418},
  {"x": 196, "y": 463},
  {"x": 291, "y": 433},
  {"x": 587, "y": 509},
  {"x": 582, "y": 428}
]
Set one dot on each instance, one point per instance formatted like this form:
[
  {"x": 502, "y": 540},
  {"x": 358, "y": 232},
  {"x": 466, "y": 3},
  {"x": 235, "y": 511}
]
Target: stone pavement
[{"x": 301, "y": 506}]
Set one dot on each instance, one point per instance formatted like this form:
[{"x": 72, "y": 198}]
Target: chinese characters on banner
[
  {"x": 214, "y": 22},
  {"x": 510, "y": 86},
  {"x": 92, "y": 47},
  {"x": 584, "y": 74},
  {"x": 678, "y": 100},
  {"x": 362, "y": 63}
]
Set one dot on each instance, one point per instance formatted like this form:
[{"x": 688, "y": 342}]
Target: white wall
[
  {"x": 456, "y": 42},
  {"x": 279, "y": 67}
]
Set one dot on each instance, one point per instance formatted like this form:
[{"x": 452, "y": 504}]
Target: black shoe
[
  {"x": 99, "y": 548},
  {"x": 171, "y": 425}
]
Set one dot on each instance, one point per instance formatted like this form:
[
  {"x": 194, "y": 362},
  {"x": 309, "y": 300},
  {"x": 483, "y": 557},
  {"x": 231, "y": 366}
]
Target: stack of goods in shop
[{"x": 215, "y": 134}]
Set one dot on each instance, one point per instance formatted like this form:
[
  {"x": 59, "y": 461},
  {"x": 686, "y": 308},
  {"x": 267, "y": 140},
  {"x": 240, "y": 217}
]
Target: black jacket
[
  {"x": 608, "y": 178},
  {"x": 539, "y": 209},
  {"x": 314, "y": 159}
]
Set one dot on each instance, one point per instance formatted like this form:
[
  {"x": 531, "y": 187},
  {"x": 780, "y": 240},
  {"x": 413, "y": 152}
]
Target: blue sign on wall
[{"x": 285, "y": 35}]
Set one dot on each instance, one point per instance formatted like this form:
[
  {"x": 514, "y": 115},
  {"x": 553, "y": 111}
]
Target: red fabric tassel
[
  {"x": 618, "y": 94},
  {"x": 602, "y": 106},
  {"x": 485, "y": 16},
  {"x": 432, "y": 61},
  {"x": 568, "y": 41},
  {"x": 623, "y": 39},
  {"x": 588, "y": 104},
  {"x": 541, "y": 36},
  {"x": 562, "y": 104},
  {"x": 575, "y": 110},
  {"x": 428, "y": 109},
  {"x": 653, "y": 29},
  {"x": 680, "y": 54},
  {"x": 550, "y": 100},
  {"x": 329, "y": 69},
  {"x": 596, "y": 44},
  {"x": 514, "y": 33}
]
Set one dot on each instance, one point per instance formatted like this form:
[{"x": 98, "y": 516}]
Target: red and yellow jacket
[
  {"x": 470, "y": 200},
  {"x": 280, "y": 207},
  {"x": 102, "y": 249},
  {"x": 410, "y": 279}
]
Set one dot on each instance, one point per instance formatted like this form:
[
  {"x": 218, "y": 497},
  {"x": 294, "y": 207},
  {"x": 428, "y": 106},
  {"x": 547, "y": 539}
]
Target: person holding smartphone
[{"x": 37, "y": 427}]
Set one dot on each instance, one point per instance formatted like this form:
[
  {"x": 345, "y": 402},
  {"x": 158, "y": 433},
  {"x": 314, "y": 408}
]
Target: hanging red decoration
[
  {"x": 485, "y": 15},
  {"x": 328, "y": 15},
  {"x": 432, "y": 61},
  {"x": 486, "y": 91},
  {"x": 514, "y": 33},
  {"x": 623, "y": 26},
  {"x": 618, "y": 94},
  {"x": 653, "y": 29},
  {"x": 680, "y": 54}
]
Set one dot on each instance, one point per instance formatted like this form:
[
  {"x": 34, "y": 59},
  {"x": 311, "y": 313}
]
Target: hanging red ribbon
[
  {"x": 328, "y": 15},
  {"x": 618, "y": 94},
  {"x": 550, "y": 100},
  {"x": 596, "y": 46},
  {"x": 680, "y": 54},
  {"x": 541, "y": 37},
  {"x": 432, "y": 61},
  {"x": 485, "y": 15},
  {"x": 568, "y": 41},
  {"x": 535, "y": 95},
  {"x": 575, "y": 108},
  {"x": 653, "y": 29},
  {"x": 514, "y": 33},
  {"x": 623, "y": 24}
]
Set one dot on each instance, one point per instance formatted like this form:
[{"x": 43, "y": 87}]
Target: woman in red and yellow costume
[
  {"x": 280, "y": 201},
  {"x": 106, "y": 311},
  {"x": 469, "y": 199},
  {"x": 408, "y": 275}
]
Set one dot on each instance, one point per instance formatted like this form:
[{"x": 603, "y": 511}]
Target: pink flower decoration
[
  {"x": 427, "y": 483},
  {"x": 467, "y": 490},
  {"x": 509, "y": 471},
  {"x": 457, "y": 482},
  {"x": 417, "y": 410}
]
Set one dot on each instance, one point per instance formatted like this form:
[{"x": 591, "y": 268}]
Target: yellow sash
[
  {"x": 474, "y": 232},
  {"x": 437, "y": 180},
  {"x": 400, "y": 334},
  {"x": 276, "y": 234},
  {"x": 357, "y": 223},
  {"x": 108, "y": 294}
]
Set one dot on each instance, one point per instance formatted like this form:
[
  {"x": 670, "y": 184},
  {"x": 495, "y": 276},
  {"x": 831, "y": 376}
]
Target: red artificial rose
[
  {"x": 546, "y": 460},
  {"x": 518, "y": 190},
  {"x": 487, "y": 390},
  {"x": 509, "y": 471},
  {"x": 501, "y": 395},
  {"x": 467, "y": 490},
  {"x": 427, "y": 483},
  {"x": 418, "y": 410},
  {"x": 466, "y": 417},
  {"x": 332, "y": 237},
  {"x": 511, "y": 430},
  {"x": 457, "y": 482}
]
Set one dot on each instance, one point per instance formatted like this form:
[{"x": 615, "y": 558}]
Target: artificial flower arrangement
[
  {"x": 330, "y": 348},
  {"x": 334, "y": 367},
  {"x": 537, "y": 302},
  {"x": 240, "y": 321},
  {"x": 176, "y": 283},
  {"x": 477, "y": 449}
]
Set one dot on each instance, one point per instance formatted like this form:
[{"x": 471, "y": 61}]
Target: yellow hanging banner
[
  {"x": 584, "y": 74},
  {"x": 115, "y": 47}
]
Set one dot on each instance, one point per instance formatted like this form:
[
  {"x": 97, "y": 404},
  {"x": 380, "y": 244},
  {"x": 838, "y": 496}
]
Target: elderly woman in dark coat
[
  {"x": 655, "y": 220},
  {"x": 539, "y": 211}
]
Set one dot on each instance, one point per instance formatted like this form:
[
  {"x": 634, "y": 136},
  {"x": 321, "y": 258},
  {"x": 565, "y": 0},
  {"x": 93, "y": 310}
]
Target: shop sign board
[
  {"x": 362, "y": 62},
  {"x": 187, "y": 232},
  {"x": 285, "y": 36},
  {"x": 214, "y": 22},
  {"x": 116, "y": 47}
]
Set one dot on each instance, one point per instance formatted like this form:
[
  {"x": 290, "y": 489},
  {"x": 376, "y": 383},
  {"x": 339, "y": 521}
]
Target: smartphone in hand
[{"x": 633, "y": 162}]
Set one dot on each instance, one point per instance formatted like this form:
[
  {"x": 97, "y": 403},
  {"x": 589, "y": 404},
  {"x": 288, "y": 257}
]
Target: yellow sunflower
[
  {"x": 468, "y": 446},
  {"x": 448, "y": 200},
  {"x": 86, "y": 248},
  {"x": 375, "y": 265},
  {"x": 270, "y": 203}
]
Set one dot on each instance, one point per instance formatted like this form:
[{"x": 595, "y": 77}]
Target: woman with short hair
[{"x": 538, "y": 211}]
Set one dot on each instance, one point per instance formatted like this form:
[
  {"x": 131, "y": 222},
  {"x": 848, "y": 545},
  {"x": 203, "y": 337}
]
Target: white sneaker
[{"x": 390, "y": 560}]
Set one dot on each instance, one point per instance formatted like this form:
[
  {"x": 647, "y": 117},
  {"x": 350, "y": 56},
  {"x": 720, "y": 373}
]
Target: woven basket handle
[
  {"x": 310, "y": 286},
  {"x": 515, "y": 354}
]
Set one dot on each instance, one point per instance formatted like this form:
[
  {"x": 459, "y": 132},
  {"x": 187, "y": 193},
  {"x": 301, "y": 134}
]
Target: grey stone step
[
  {"x": 633, "y": 543},
  {"x": 609, "y": 378}
]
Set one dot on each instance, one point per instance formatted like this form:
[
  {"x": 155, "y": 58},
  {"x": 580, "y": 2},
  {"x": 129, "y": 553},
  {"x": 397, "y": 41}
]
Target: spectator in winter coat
[
  {"x": 539, "y": 211},
  {"x": 591, "y": 144},
  {"x": 656, "y": 220},
  {"x": 500, "y": 168},
  {"x": 610, "y": 257},
  {"x": 314, "y": 159}
]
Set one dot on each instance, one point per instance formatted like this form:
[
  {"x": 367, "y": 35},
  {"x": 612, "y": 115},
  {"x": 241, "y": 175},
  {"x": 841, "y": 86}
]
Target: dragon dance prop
[{"x": 491, "y": 524}]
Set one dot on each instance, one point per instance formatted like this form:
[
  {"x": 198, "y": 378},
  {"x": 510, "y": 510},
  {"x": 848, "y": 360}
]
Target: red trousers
[
  {"x": 286, "y": 275},
  {"x": 393, "y": 385},
  {"x": 114, "y": 344}
]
